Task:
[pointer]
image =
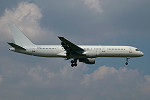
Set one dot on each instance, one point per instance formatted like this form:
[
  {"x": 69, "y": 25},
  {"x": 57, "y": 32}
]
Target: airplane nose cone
[{"x": 142, "y": 54}]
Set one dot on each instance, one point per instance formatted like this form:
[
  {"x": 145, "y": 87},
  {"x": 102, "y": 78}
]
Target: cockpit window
[{"x": 137, "y": 49}]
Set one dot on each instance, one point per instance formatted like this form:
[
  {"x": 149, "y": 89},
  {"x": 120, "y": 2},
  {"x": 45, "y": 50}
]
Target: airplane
[{"x": 69, "y": 50}]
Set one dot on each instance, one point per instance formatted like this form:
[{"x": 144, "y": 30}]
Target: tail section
[{"x": 19, "y": 38}]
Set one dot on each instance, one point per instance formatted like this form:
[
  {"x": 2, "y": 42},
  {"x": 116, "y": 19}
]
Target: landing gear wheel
[
  {"x": 72, "y": 65},
  {"x": 127, "y": 61},
  {"x": 73, "y": 62}
]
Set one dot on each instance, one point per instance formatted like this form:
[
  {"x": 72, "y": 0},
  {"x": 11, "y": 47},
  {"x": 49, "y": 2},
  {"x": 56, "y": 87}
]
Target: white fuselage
[
  {"x": 69, "y": 50},
  {"x": 89, "y": 51}
]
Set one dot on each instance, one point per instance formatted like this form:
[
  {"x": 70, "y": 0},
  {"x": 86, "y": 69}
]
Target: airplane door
[
  {"x": 130, "y": 50},
  {"x": 33, "y": 50},
  {"x": 103, "y": 49}
]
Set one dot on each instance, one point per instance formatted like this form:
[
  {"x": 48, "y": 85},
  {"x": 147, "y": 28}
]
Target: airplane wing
[{"x": 71, "y": 48}]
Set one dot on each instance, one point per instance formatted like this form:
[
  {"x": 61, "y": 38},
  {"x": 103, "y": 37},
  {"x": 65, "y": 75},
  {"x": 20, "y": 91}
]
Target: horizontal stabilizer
[{"x": 16, "y": 46}]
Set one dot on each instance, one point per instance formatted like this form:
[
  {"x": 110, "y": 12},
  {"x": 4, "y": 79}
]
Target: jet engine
[{"x": 87, "y": 60}]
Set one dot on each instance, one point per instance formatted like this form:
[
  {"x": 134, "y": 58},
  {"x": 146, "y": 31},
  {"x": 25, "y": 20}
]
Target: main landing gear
[
  {"x": 127, "y": 61},
  {"x": 73, "y": 62}
]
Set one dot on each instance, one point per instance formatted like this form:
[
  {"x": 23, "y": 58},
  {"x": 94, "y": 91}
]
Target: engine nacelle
[
  {"x": 90, "y": 54},
  {"x": 87, "y": 60}
]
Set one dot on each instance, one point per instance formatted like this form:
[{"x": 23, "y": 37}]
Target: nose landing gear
[
  {"x": 73, "y": 62},
  {"x": 127, "y": 61}
]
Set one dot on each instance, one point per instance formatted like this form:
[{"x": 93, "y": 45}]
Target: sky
[{"x": 89, "y": 22}]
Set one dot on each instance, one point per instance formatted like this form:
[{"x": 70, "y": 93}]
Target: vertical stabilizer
[{"x": 19, "y": 38}]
